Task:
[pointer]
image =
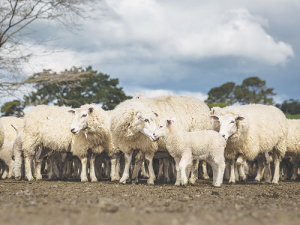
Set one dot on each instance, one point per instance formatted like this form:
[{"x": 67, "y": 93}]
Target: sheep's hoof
[
  {"x": 206, "y": 177},
  {"x": 94, "y": 180},
  {"x": 231, "y": 182},
  {"x": 123, "y": 181},
  {"x": 150, "y": 184},
  {"x": 18, "y": 178},
  {"x": 167, "y": 179},
  {"x": 135, "y": 180},
  {"x": 84, "y": 180},
  {"x": 177, "y": 184}
]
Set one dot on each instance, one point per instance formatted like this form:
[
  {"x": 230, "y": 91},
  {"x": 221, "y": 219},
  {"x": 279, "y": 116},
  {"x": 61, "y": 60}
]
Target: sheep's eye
[
  {"x": 146, "y": 120},
  {"x": 84, "y": 115},
  {"x": 232, "y": 121},
  {"x": 160, "y": 127}
]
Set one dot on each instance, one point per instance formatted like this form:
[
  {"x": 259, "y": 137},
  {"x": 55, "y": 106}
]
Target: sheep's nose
[
  {"x": 223, "y": 135},
  {"x": 73, "y": 130}
]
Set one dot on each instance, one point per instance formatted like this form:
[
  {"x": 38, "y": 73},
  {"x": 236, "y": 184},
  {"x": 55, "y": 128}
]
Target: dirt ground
[{"x": 105, "y": 202}]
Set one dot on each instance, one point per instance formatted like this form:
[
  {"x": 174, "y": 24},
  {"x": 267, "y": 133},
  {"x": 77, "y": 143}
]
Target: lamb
[
  {"x": 184, "y": 146},
  {"x": 94, "y": 122},
  {"x": 293, "y": 144},
  {"x": 251, "y": 130},
  {"x": 134, "y": 121},
  {"x": 6, "y": 152}
]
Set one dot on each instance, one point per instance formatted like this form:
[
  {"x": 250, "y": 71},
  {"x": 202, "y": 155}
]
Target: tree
[
  {"x": 13, "y": 108},
  {"x": 80, "y": 87},
  {"x": 16, "y": 18},
  {"x": 222, "y": 94},
  {"x": 291, "y": 106},
  {"x": 252, "y": 90}
]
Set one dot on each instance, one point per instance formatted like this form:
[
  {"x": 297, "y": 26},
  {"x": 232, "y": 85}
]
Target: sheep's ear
[
  {"x": 215, "y": 117},
  {"x": 155, "y": 114},
  {"x": 170, "y": 122},
  {"x": 91, "y": 110},
  {"x": 71, "y": 111},
  {"x": 239, "y": 117}
]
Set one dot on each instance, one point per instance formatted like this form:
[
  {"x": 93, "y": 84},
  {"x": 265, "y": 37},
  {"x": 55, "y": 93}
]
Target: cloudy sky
[{"x": 182, "y": 47}]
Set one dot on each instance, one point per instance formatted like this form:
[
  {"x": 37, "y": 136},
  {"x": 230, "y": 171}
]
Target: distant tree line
[{"x": 73, "y": 87}]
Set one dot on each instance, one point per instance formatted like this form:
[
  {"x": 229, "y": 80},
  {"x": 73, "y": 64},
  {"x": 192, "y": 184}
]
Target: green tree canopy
[
  {"x": 76, "y": 88},
  {"x": 252, "y": 90},
  {"x": 291, "y": 106},
  {"x": 13, "y": 108}
]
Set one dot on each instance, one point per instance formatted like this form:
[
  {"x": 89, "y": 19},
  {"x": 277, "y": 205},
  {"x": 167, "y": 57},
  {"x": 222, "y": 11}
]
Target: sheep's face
[
  {"x": 144, "y": 124},
  {"x": 228, "y": 124},
  {"x": 162, "y": 128},
  {"x": 80, "y": 120}
]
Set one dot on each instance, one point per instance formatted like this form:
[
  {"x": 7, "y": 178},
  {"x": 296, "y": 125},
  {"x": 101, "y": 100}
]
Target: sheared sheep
[
  {"x": 184, "y": 146},
  {"x": 133, "y": 123},
  {"x": 251, "y": 130}
]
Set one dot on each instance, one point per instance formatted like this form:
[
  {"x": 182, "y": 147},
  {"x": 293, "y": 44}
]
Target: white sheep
[
  {"x": 133, "y": 123},
  {"x": 184, "y": 146},
  {"x": 94, "y": 122},
  {"x": 251, "y": 130},
  {"x": 49, "y": 126},
  {"x": 293, "y": 144},
  {"x": 6, "y": 152}
]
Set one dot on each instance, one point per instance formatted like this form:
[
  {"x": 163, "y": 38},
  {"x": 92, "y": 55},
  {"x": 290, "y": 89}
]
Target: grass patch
[{"x": 289, "y": 116}]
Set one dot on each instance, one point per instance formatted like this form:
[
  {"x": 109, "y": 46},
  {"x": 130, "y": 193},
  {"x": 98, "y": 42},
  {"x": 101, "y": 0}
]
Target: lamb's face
[
  {"x": 144, "y": 124},
  {"x": 80, "y": 120},
  {"x": 162, "y": 128},
  {"x": 228, "y": 124}
]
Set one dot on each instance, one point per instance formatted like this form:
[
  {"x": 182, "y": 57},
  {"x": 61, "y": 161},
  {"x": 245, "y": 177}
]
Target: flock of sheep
[{"x": 151, "y": 137}]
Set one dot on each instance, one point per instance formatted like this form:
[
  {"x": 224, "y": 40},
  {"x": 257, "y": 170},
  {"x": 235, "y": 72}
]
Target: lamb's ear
[
  {"x": 239, "y": 117},
  {"x": 170, "y": 122},
  {"x": 155, "y": 113},
  {"x": 91, "y": 110},
  {"x": 71, "y": 111},
  {"x": 215, "y": 117}
]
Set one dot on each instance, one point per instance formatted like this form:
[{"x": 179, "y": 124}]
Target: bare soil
[{"x": 105, "y": 202}]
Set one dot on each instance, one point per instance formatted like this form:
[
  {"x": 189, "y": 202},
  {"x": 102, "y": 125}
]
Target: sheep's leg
[
  {"x": 50, "y": 167},
  {"x": 38, "y": 169},
  {"x": 77, "y": 168},
  {"x": 218, "y": 171},
  {"x": 240, "y": 163},
  {"x": 145, "y": 171},
  {"x": 166, "y": 169},
  {"x": 18, "y": 164},
  {"x": 267, "y": 174},
  {"x": 260, "y": 170},
  {"x": 139, "y": 158},
  {"x": 295, "y": 170},
  {"x": 204, "y": 169},
  {"x": 232, "y": 172},
  {"x": 28, "y": 168},
  {"x": 178, "y": 174},
  {"x": 160, "y": 175},
  {"x": 149, "y": 161},
  {"x": 125, "y": 176},
  {"x": 83, "y": 175},
  {"x": 194, "y": 173},
  {"x": 186, "y": 160},
  {"x": 11, "y": 169},
  {"x": 227, "y": 171},
  {"x": 276, "y": 169},
  {"x": 5, "y": 171},
  {"x": 92, "y": 168},
  {"x": 117, "y": 173},
  {"x": 113, "y": 173}
]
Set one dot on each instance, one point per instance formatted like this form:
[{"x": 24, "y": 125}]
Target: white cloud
[{"x": 162, "y": 92}]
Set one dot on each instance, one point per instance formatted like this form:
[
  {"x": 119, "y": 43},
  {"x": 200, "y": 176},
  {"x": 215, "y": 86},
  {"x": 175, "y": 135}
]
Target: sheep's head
[
  {"x": 80, "y": 120},
  {"x": 143, "y": 123},
  {"x": 162, "y": 128},
  {"x": 228, "y": 124}
]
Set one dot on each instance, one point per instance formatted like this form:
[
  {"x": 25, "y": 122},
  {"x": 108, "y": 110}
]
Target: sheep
[
  {"x": 94, "y": 122},
  {"x": 6, "y": 152},
  {"x": 251, "y": 130},
  {"x": 184, "y": 146},
  {"x": 49, "y": 127},
  {"x": 133, "y": 123},
  {"x": 293, "y": 144}
]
